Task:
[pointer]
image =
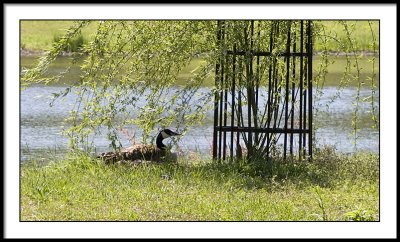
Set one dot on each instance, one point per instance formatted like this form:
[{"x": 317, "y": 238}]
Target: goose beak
[
  {"x": 174, "y": 134},
  {"x": 168, "y": 133}
]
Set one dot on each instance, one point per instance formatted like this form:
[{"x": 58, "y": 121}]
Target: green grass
[
  {"x": 39, "y": 35},
  {"x": 333, "y": 187},
  {"x": 361, "y": 33}
]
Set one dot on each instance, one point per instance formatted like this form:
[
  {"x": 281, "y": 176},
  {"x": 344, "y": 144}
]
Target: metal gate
[{"x": 263, "y": 98}]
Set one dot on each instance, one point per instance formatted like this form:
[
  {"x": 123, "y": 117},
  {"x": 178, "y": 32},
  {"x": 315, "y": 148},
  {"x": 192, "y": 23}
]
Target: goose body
[{"x": 141, "y": 152}]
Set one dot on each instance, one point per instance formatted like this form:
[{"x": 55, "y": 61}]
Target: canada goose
[{"x": 140, "y": 152}]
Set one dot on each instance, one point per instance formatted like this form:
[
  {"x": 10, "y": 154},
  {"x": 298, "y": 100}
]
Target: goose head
[{"x": 163, "y": 134}]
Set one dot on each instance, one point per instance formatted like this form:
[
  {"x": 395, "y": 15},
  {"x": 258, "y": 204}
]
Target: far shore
[{"x": 38, "y": 53}]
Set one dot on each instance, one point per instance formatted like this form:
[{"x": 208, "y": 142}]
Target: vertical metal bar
[
  {"x": 254, "y": 93},
  {"x": 221, "y": 93},
  {"x": 305, "y": 111},
  {"x": 277, "y": 89},
  {"x": 293, "y": 92},
  {"x": 216, "y": 97},
  {"x": 270, "y": 84},
  {"x": 225, "y": 104},
  {"x": 287, "y": 92},
  {"x": 310, "y": 56},
  {"x": 301, "y": 89},
  {"x": 276, "y": 103},
  {"x": 249, "y": 94},
  {"x": 239, "y": 113},
  {"x": 233, "y": 98},
  {"x": 258, "y": 64},
  {"x": 220, "y": 114}
]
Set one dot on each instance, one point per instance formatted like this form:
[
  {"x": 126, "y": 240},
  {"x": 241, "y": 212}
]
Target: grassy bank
[
  {"x": 333, "y": 188},
  {"x": 360, "y": 32},
  {"x": 39, "y": 35}
]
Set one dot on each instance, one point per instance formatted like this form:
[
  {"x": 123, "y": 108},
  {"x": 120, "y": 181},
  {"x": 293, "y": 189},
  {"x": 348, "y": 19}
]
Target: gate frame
[{"x": 221, "y": 101}]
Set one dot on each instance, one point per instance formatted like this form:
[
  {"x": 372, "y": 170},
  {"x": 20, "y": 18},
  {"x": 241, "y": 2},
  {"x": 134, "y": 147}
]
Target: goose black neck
[{"x": 159, "y": 142}]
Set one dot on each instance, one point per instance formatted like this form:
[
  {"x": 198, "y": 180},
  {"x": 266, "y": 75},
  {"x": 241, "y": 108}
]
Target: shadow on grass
[{"x": 327, "y": 169}]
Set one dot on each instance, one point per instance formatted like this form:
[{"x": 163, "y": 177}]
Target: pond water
[{"x": 41, "y": 125}]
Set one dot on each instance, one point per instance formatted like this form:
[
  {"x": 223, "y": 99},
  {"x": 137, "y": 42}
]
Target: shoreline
[{"x": 38, "y": 53}]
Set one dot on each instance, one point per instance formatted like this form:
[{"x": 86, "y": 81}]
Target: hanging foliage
[
  {"x": 128, "y": 62},
  {"x": 129, "y": 73}
]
